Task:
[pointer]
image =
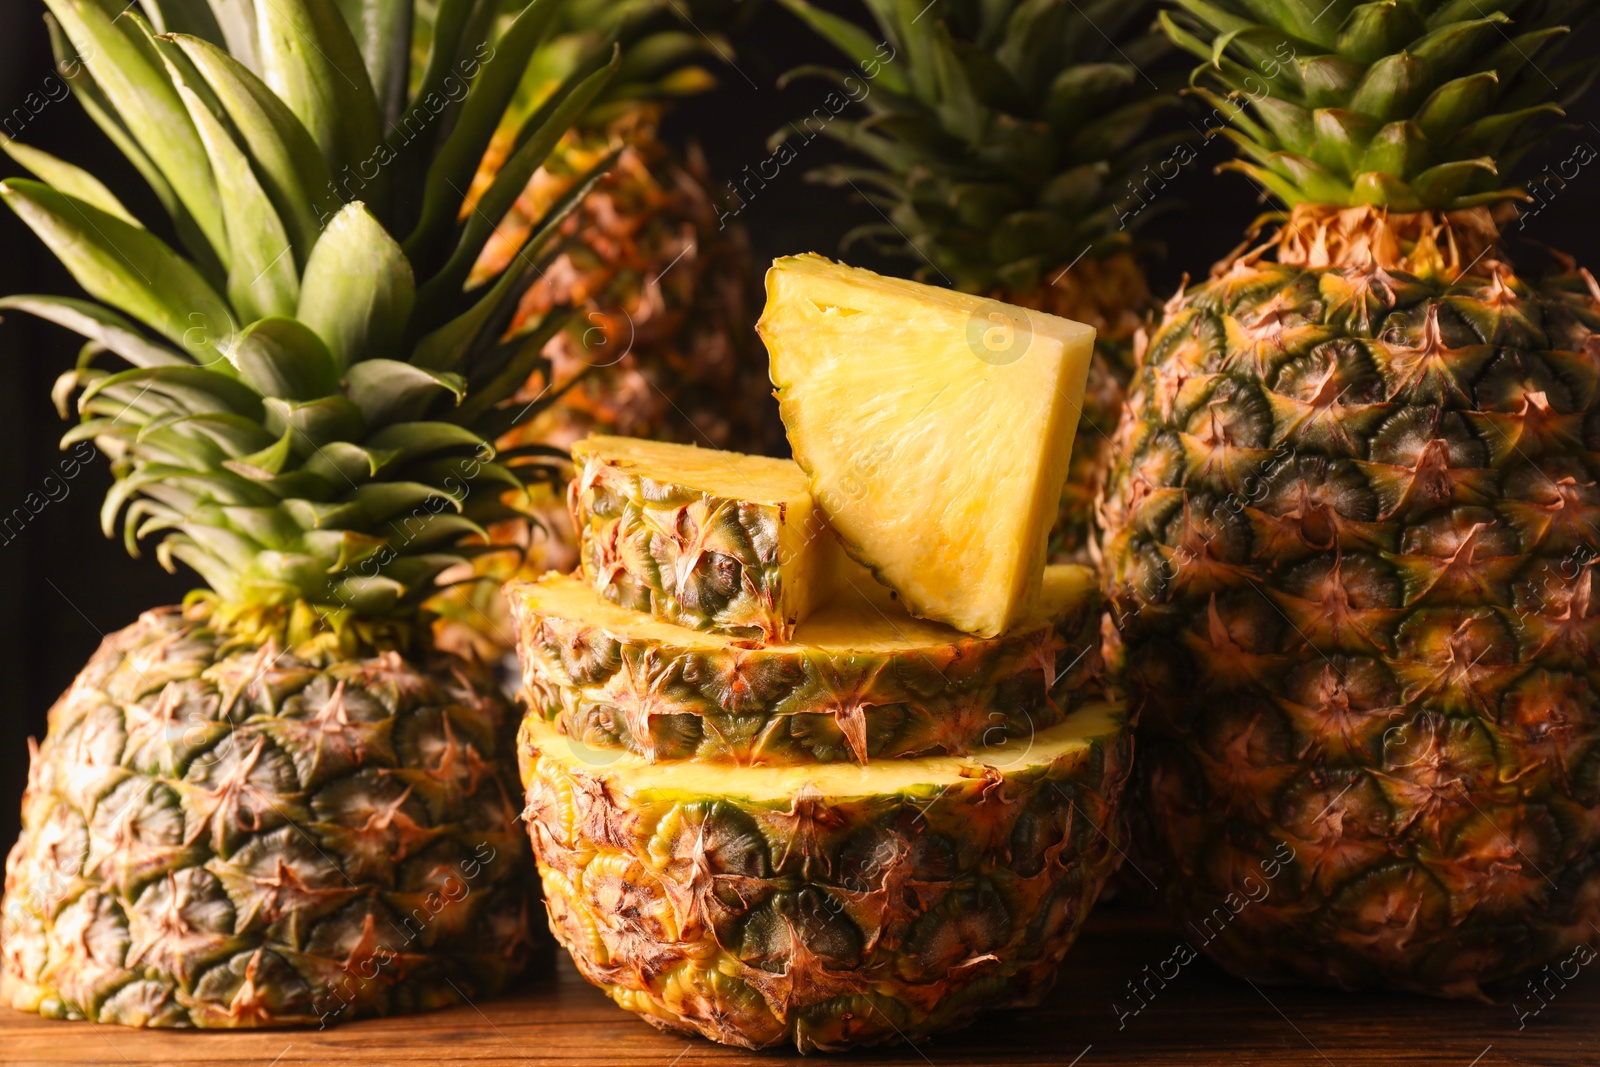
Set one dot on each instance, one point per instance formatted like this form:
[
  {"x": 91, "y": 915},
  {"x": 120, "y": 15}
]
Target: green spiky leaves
[
  {"x": 312, "y": 392},
  {"x": 665, "y": 54},
  {"x": 1000, "y": 135},
  {"x": 1409, "y": 105}
]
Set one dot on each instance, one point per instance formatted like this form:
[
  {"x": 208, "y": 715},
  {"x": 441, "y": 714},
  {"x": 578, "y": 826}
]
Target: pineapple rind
[
  {"x": 1353, "y": 561},
  {"x": 862, "y": 682},
  {"x": 710, "y": 540},
  {"x": 245, "y": 838},
  {"x": 830, "y": 907}
]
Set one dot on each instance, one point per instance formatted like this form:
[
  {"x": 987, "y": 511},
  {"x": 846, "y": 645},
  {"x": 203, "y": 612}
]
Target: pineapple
[
  {"x": 660, "y": 347},
  {"x": 860, "y": 681},
  {"x": 660, "y": 344},
  {"x": 825, "y": 906},
  {"x": 710, "y": 540},
  {"x": 881, "y": 826},
  {"x": 1351, "y": 540},
  {"x": 279, "y": 803},
  {"x": 935, "y": 427},
  {"x": 1006, "y": 145}
]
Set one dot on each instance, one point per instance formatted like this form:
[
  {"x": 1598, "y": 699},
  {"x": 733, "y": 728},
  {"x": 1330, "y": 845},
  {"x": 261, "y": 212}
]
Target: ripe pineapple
[
  {"x": 881, "y": 826},
  {"x": 828, "y": 906},
  {"x": 660, "y": 344},
  {"x": 660, "y": 347},
  {"x": 1002, "y": 138},
  {"x": 1351, "y": 538},
  {"x": 663, "y": 292},
  {"x": 279, "y": 803},
  {"x": 935, "y": 428},
  {"x": 860, "y": 680}
]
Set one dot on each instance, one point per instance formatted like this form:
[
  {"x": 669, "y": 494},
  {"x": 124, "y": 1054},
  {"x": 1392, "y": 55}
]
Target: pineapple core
[{"x": 934, "y": 427}]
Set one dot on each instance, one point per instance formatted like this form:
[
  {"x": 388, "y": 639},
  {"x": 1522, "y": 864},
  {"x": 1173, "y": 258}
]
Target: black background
[{"x": 63, "y": 586}]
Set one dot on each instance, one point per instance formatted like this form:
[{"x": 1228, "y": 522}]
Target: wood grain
[{"x": 1202, "y": 1018}]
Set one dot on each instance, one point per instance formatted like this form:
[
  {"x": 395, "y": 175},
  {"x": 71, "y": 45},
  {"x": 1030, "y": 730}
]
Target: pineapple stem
[
  {"x": 1436, "y": 245},
  {"x": 312, "y": 632}
]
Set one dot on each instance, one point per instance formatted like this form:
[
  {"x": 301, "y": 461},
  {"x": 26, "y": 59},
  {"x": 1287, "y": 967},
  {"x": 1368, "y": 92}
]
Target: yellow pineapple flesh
[
  {"x": 861, "y": 681},
  {"x": 935, "y": 428}
]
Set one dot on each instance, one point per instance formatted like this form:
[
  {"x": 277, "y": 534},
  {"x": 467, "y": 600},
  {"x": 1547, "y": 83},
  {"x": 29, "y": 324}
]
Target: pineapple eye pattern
[{"x": 1410, "y": 394}]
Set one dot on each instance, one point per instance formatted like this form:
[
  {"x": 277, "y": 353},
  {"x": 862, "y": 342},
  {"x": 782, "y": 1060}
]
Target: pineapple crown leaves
[
  {"x": 310, "y": 391},
  {"x": 1000, "y": 135},
  {"x": 1409, "y": 105},
  {"x": 663, "y": 43}
]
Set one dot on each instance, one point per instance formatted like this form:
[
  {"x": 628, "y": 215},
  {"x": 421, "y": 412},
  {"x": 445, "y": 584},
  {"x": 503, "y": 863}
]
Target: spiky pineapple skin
[
  {"x": 610, "y": 688},
  {"x": 825, "y": 922},
  {"x": 238, "y": 836},
  {"x": 685, "y": 555},
  {"x": 1351, "y": 558}
]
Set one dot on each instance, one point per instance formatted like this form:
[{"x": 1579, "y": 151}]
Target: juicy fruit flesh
[
  {"x": 249, "y": 838},
  {"x": 935, "y": 428},
  {"x": 1353, "y": 563},
  {"x": 846, "y": 624},
  {"x": 702, "y": 538},
  {"x": 867, "y": 683},
  {"x": 635, "y": 779},
  {"x": 759, "y": 479},
  {"x": 828, "y": 908}
]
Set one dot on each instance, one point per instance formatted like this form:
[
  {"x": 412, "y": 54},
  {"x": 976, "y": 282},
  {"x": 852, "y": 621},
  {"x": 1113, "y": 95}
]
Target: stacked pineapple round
[{"x": 773, "y": 801}]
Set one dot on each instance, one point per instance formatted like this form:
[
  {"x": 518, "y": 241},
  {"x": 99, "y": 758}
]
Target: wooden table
[{"x": 1203, "y": 1017}]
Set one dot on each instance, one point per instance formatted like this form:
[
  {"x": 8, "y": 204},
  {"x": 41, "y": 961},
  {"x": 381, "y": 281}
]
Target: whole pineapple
[
  {"x": 660, "y": 344},
  {"x": 280, "y": 803},
  {"x": 663, "y": 289},
  {"x": 1004, "y": 140},
  {"x": 1351, "y": 538}
]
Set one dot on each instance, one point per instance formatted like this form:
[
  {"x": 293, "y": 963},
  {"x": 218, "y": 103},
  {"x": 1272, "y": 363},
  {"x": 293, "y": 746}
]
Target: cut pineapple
[
  {"x": 864, "y": 680},
  {"x": 710, "y": 540},
  {"x": 935, "y": 428},
  {"x": 831, "y": 906}
]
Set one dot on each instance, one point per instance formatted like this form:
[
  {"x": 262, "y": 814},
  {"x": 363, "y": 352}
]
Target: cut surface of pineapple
[
  {"x": 702, "y": 538},
  {"x": 935, "y": 428},
  {"x": 830, "y": 906},
  {"x": 862, "y": 680}
]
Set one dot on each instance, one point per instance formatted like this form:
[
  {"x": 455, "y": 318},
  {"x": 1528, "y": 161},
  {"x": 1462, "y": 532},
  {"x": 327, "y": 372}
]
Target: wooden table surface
[{"x": 1203, "y": 1017}]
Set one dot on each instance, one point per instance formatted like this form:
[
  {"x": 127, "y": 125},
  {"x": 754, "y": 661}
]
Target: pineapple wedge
[
  {"x": 863, "y": 680},
  {"x": 935, "y": 428},
  {"x": 711, "y": 540}
]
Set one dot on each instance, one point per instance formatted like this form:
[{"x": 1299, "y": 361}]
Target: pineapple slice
[
  {"x": 935, "y": 428},
  {"x": 862, "y": 681},
  {"x": 710, "y": 540},
  {"x": 826, "y": 907}
]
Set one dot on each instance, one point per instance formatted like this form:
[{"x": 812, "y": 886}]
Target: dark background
[{"x": 63, "y": 586}]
